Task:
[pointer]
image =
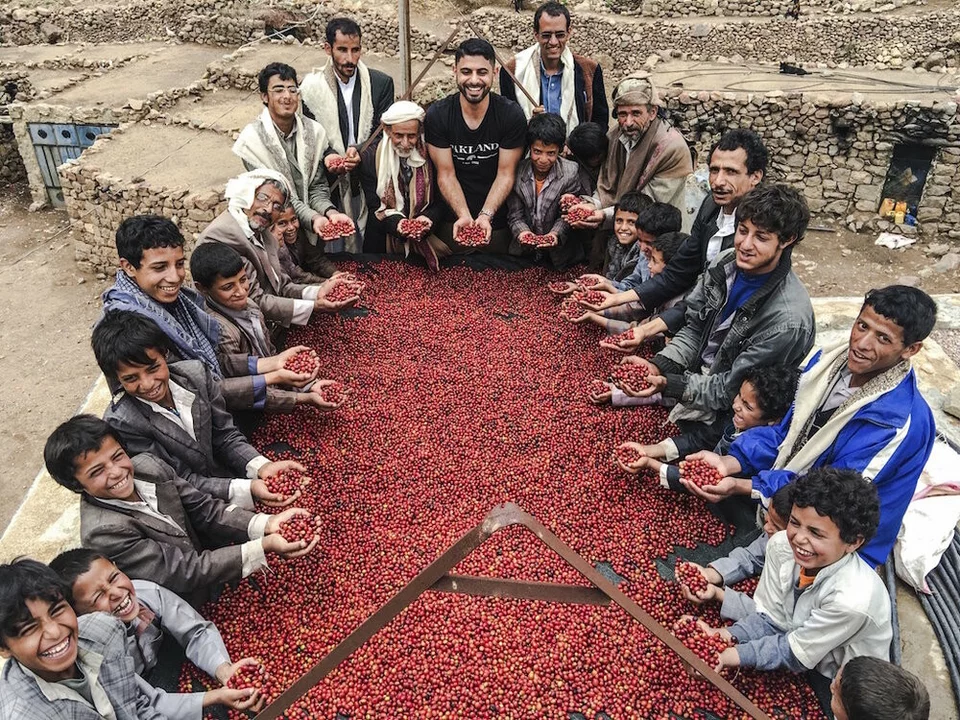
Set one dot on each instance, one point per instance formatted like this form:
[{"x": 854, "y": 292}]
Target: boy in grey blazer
[
  {"x": 155, "y": 525},
  {"x": 59, "y": 666}
]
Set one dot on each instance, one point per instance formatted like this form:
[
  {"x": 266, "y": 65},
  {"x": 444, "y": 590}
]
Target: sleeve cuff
[
  {"x": 259, "y": 392},
  {"x": 748, "y": 656},
  {"x": 257, "y": 527},
  {"x": 670, "y": 451},
  {"x": 665, "y": 365},
  {"x": 253, "y": 467},
  {"x": 302, "y": 310},
  {"x": 240, "y": 494},
  {"x": 252, "y": 557},
  {"x": 675, "y": 386},
  {"x": 252, "y": 361},
  {"x": 310, "y": 292}
]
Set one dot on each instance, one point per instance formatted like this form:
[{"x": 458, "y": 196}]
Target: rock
[
  {"x": 911, "y": 280},
  {"x": 938, "y": 249},
  {"x": 934, "y": 60},
  {"x": 135, "y": 104},
  {"x": 948, "y": 263},
  {"x": 51, "y": 33},
  {"x": 951, "y": 403}
]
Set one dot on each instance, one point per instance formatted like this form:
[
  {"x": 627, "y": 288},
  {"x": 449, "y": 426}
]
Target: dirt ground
[
  {"x": 47, "y": 307},
  {"x": 46, "y": 365}
]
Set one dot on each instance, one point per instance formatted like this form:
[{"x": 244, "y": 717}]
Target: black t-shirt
[{"x": 476, "y": 152}]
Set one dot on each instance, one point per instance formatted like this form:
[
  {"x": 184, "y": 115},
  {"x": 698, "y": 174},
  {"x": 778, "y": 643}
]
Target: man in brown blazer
[
  {"x": 255, "y": 199},
  {"x": 153, "y": 524}
]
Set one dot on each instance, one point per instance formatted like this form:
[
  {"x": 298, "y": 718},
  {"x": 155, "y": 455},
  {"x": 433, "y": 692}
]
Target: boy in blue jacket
[{"x": 858, "y": 407}]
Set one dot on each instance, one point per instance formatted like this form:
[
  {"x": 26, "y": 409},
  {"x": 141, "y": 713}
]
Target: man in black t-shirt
[{"x": 475, "y": 139}]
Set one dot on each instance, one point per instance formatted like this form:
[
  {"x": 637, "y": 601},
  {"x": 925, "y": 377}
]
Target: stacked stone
[
  {"x": 97, "y": 203},
  {"x": 12, "y": 169},
  {"x": 837, "y": 150}
]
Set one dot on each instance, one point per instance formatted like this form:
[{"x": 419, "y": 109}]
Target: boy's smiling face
[
  {"x": 103, "y": 588},
  {"x": 746, "y": 409},
  {"x": 107, "y": 472},
  {"x": 161, "y": 273},
  {"x": 543, "y": 157},
  {"x": 815, "y": 539},
  {"x": 147, "y": 382},
  {"x": 46, "y": 643},
  {"x": 625, "y": 227}
]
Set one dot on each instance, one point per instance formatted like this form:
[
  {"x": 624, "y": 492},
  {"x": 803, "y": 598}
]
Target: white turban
[
  {"x": 388, "y": 161},
  {"x": 402, "y": 111},
  {"x": 241, "y": 190},
  {"x": 636, "y": 89}
]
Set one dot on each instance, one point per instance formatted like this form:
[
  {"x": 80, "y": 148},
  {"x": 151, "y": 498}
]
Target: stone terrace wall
[
  {"x": 12, "y": 169},
  {"x": 837, "y": 151},
  {"x": 97, "y": 202},
  {"x": 624, "y": 44}
]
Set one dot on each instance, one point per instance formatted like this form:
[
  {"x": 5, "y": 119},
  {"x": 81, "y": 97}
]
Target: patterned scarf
[{"x": 194, "y": 333}]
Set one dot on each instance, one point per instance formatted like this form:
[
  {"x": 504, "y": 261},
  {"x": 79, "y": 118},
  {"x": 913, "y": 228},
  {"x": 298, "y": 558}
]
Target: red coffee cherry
[
  {"x": 628, "y": 455},
  {"x": 589, "y": 297},
  {"x": 305, "y": 361},
  {"x": 335, "y": 393},
  {"x": 299, "y": 527},
  {"x": 700, "y": 473},
  {"x": 690, "y": 576},
  {"x": 472, "y": 236},
  {"x": 412, "y": 228},
  {"x": 336, "y": 229},
  {"x": 248, "y": 676},
  {"x": 630, "y": 377},
  {"x": 577, "y": 214}
]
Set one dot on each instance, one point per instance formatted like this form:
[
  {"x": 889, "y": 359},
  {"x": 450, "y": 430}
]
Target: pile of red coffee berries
[
  {"x": 572, "y": 310},
  {"x": 286, "y": 482},
  {"x": 588, "y": 281},
  {"x": 337, "y": 164},
  {"x": 567, "y": 203},
  {"x": 690, "y": 576},
  {"x": 619, "y": 339},
  {"x": 305, "y": 361},
  {"x": 627, "y": 455},
  {"x": 630, "y": 377},
  {"x": 413, "y": 228},
  {"x": 345, "y": 290},
  {"x": 706, "y": 647},
  {"x": 700, "y": 473},
  {"x": 299, "y": 527},
  {"x": 561, "y": 287},
  {"x": 249, "y": 676},
  {"x": 578, "y": 214},
  {"x": 537, "y": 240},
  {"x": 336, "y": 229},
  {"x": 472, "y": 236},
  {"x": 597, "y": 387},
  {"x": 589, "y": 297},
  {"x": 335, "y": 393},
  {"x": 457, "y": 410}
]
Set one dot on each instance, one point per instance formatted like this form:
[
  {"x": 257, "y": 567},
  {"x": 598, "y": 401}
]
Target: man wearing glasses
[
  {"x": 565, "y": 84},
  {"x": 283, "y": 140}
]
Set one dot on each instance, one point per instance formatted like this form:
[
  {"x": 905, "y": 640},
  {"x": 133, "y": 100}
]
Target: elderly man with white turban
[
  {"x": 404, "y": 179},
  {"x": 646, "y": 155},
  {"x": 254, "y": 200}
]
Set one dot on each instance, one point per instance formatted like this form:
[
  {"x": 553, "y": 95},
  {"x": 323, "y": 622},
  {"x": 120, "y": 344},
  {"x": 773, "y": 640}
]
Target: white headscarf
[
  {"x": 388, "y": 161},
  {"x": 241, "y": 190}
]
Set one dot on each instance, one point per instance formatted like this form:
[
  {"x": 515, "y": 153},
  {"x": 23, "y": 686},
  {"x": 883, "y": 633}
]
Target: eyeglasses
[
  {"x": 560, "y": 36},
  {"x": 283, "y": 90},
  {"x": 264, "y": 198}
]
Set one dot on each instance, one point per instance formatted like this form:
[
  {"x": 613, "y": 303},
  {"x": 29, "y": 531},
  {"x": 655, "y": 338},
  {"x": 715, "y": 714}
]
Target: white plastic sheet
[{"x": 930, "y": 519}]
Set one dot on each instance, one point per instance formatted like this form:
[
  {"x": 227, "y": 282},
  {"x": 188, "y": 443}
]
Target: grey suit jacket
[
  {"x": 188, "y": 559},
  {"x": 21, "y": 698},
  {"x": 270, "y": 287},
  {"x": 220, "y": 450},
  {"x": 233, "y": 341}
]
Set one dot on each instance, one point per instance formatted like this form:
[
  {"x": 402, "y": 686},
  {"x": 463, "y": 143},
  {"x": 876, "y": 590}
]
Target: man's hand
[
  {"x": 601, "y": 306},
  {"x": 729, "y": 658},
  {"x": 277, "y": 466},
  {"x": 274, "y": 542},
  {"x": 636, "y": 466},
  {"x": 236, "y": 699},
  {"x": 288, "y": 377},
  {"x": 627, "y": 346},
  {"x": 427, "y": 222},
  {"x": 525, "y": 237},
  {"x": 317, "y": 390},
  {"x": 656, "y": 380},
  {"x": 279, "y": 360},
  {"x": 227, "y": 670},
  {"x": 351, "y": 159},
  {"x": 342, "y": 217},
  {"x": 592, "y": 221},
  {"x": 335, "y": 163},
  {"x": 318, "y": 223},
  {"x": 324, "y": 305},
  {"x": 568, "y": 287},
  {"x": 724, "y": 464},
  {"x": 599, "y": 283},
  {"x": 483, "y": 221},
  {"x": 539, "y": 110},
  {"x": 260, "y": 492},
  {"x": 656, "y": 384}
]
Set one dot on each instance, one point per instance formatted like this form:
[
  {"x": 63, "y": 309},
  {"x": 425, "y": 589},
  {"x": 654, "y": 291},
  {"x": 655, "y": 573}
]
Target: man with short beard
[
  {"x": 347, "y": 98},
  {"x": 254, "y": 200},
  {"x": 476, "y": 139},
  {"x": 646, "y": 155}
]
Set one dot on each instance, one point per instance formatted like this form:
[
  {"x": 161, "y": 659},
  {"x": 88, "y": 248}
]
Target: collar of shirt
[
  {"x": 545, "y": 74},
  {"x": 147, "y": 504},
  {"x": 182, "y": 413},
  {"x": 726, "y": 224},
  {"x": 89, "y": 663},
  {"x": 349, "y": 84},
  {"x": 288, "y": 136},
  {"x": 628, "y": 142}
]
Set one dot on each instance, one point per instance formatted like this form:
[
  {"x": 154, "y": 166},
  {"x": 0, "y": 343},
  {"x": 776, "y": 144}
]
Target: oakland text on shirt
[{"x": 474, "y": 154}]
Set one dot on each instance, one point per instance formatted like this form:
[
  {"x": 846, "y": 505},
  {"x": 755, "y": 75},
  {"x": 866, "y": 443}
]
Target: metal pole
[{"x": 403, "y": 17}]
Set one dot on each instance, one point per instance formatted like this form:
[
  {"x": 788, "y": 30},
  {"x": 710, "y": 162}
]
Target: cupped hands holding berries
[
  {"x": 561, "y": 287},
  {"x": 277, "y": 370},
  {"x": 332, "y": 226},
  {"x": 653, "y": 381},
  {"x": 585, "y": 216},
  {"x": 539, "y": 241},
  {"x": 338, "y": 293},
  {"x": 600, "y": 392},
  {"x": 270, "y": 487},
  {"x": 415, "y": 228},
  {"x": 275, "y": 542},
  {"x": 322, "y": 397},
  {"x": 592, "y": 281},
  {"x": 725, "y": 466},
  {"x": 631, "y": 457},
  {"x": 472, "y": 233},
  {"x": 699, "y": 584}
]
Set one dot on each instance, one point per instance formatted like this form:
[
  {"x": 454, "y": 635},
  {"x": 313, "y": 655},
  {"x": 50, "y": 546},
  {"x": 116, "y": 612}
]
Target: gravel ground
[{"x": 949, "y": 340}]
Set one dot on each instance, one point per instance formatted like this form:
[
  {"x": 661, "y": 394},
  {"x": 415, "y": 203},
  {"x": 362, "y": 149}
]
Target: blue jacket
[{"x": 888, "y": 441}]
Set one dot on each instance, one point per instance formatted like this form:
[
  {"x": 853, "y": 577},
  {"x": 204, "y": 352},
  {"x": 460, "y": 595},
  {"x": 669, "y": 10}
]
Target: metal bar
[
  {"x": 520, "y": 589},
  {"x": 498, "y": 518},
  {"x": 403, "y": 17},
  {"x": 513, "y": 77}
]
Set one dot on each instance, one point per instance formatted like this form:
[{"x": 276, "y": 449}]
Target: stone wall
[
  {"x": 747, "y": 8},
  {"x": 11, "y": 164},
  {"x": 97, "y": 202},
  {"x": 622, "y": 44},
  {"x": 837, "y": 150}
]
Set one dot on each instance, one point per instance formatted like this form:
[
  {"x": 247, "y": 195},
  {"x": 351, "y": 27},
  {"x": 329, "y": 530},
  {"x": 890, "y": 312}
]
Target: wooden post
[{"x": 403, "y": 17}]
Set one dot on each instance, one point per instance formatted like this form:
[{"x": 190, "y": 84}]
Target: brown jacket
[
  {"x": 188, "y": 559},
  {"x": 270, "y": 287}
]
